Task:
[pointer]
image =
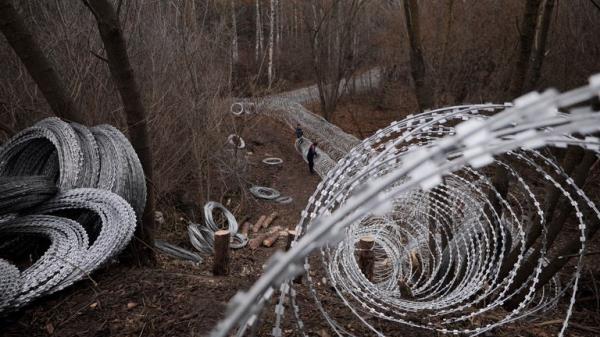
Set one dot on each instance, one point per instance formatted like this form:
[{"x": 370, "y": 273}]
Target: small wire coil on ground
[
  {"x": 237, "y": 109},
  {"x": 202, "y": 237},
  {"x": 284, "y": 200},
  {"x": 262, "y": 192},
  {"x": 273, "y": 161},
  {"x": 236, "y": 141}
]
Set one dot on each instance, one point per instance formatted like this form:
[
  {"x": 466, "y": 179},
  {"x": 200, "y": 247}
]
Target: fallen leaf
[{"x": 131, "y": 305}]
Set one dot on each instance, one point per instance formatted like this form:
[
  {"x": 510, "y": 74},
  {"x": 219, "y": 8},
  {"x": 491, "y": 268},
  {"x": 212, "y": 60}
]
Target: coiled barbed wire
[
  {"x": 86, "y": 224},
  {"x": 273, "y": 161},
  {"x": 263, "y": 192},
  {"x": 203, "y": 237},
  {"x": 20, "y": 193},
  {"x": 422, "y": 189}
]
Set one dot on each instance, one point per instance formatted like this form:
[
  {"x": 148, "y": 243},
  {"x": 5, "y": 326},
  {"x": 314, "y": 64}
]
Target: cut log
[
  {"x": 257, "y": 241},
  {"x": 259, "y": 223},
  {"x": 271, "y": 239},
  {"x": 246, "y": 227},
  {"x": 366, "y": 258},
  {"x": 269, "y": 220},
  {"x": 221, "y": 262}
]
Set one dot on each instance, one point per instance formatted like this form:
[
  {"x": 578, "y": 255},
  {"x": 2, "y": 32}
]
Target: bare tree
[
  {"x": 271, "y": 40},
  {"x": 332, "y": 26},
  {"x": 542, "y": 30},
  {"x": 423, "y": 90},
  {"x": 526, "y": 41},
  {"x": 234, "y": 39},
  {"x": 39, "y": 67},
  {"x": 122, "y": 73}
]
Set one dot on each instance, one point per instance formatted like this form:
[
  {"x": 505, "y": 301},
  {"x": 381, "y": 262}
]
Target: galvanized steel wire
[
  {"x": 421, "y": 189},
  {"x": 79, "y": 188}
]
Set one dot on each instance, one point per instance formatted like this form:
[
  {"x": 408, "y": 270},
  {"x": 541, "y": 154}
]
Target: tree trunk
[
  {"x": 38, "y": 66},
  {"x": 234, "y": 41},
  {"x": 526, "y": 41},
  {"x": 573, "y": 156},
  {"x": 448, "y": 29},
  {"x": 423, "y": 91},
  {"x": 579, "y": 177},
  {"x": 122, "y": 73},
  {"x": 542, "y": 37},
  {"x": 271, "y": 41},
  {"x": 259, "y": 44}
]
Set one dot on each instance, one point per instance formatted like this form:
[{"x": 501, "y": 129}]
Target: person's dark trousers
[{"x": 311, "y": 165}]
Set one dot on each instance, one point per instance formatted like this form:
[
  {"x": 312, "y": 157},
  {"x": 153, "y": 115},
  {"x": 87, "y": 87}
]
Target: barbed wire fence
[{"x": 422, "y": 188}]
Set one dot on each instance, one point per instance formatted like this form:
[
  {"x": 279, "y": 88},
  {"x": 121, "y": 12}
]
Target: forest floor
[{"x": 178, "y": 298}]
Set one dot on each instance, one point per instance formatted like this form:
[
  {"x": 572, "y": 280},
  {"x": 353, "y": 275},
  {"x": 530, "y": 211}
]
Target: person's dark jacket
[
  {"x": 312, "y": 153},
  {"x": 299, "y": 133}
]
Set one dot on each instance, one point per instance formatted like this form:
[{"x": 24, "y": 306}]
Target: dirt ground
[{"x": 178, "y": 298}]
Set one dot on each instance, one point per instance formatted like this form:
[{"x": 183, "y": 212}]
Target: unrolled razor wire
[{"x": 423, "y": 189}]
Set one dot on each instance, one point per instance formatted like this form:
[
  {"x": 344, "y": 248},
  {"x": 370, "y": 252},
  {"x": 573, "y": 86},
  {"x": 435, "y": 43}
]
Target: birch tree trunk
[
  {"x": 271, "y": 41},
  {"x": 234, "y": 40},
  {"x": 259, "y": 44}
]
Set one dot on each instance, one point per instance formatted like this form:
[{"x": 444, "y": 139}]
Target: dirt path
[{"x": 176, "y": 298}]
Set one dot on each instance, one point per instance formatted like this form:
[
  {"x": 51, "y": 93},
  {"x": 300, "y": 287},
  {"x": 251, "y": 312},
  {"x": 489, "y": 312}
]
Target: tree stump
[
  {"x": 221, "y": 262},
  {"x": 366, "y": 257},
  {"x": 291, "y": 235}
]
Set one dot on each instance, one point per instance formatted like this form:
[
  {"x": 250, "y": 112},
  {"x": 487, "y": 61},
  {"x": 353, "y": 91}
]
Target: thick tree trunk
[
  {"x": 540, "y": 50},
  {"x": 38, "y": 66},
  {"x": 423, "y": 91},
  {"x": 526, "y": 41},
  {"x": 122, "y": 73}
]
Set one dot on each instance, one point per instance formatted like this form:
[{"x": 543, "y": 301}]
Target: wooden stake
[
  {"x": 259, "y": 223},
  {"x": 221, "y": 262},
  {"x": 366, "y": 258}
]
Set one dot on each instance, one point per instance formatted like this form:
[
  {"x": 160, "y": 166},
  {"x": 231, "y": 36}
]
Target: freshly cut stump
[
  {"x": 366, "y": 258},
  {"x": 221, "y": 263}
]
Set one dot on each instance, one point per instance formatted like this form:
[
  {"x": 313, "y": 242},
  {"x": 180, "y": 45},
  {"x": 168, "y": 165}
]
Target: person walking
[
  {"x": 310, "y": 157},
  {"x": 299, "y": 133}
]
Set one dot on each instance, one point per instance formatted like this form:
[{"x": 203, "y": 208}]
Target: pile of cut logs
[{"x": 266, "y": 238}]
